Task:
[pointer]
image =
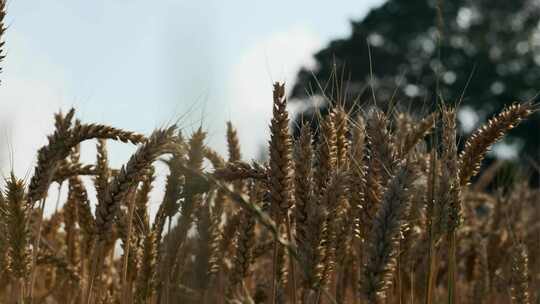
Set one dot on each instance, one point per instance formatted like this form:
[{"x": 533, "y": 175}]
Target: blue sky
[{"x": 140, "y": 65}]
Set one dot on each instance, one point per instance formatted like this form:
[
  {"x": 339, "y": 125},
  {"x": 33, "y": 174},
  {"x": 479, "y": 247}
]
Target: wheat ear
[
  {"x": 481, "y": 140},
  {"x": 18, "y": 235},
  {"x": 383, "y": 239},
  {"x": 280, "y": 168}
]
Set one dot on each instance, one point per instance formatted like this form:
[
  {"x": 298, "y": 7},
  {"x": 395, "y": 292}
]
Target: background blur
[{"x": 139, "y": 66}]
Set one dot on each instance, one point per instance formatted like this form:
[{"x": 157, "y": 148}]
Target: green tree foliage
[{"x": 493, "y": 43}]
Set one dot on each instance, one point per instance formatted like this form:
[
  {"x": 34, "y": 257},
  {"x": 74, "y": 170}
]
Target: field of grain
[{"x": 375, "y": 206}]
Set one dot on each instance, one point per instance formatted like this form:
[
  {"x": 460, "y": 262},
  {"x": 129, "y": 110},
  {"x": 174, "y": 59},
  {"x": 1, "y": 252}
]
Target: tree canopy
[{"x": 483, "y": 53}]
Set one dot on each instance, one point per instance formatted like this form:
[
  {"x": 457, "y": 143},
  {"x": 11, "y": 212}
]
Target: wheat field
[{"x": 376, "y": 206}]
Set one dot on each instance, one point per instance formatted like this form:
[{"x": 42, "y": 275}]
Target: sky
[{"x": 138, "y": 66}]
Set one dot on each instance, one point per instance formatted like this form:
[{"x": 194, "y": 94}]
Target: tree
[{"x": 488, "y": 53}]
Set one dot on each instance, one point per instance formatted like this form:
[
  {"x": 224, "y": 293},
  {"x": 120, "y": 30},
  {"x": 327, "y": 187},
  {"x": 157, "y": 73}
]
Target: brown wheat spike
[
  {"x": 373, "y": 188},
  {"x": 341, "y": 124},
  {"x": 331, "y": 199},
  {"x": 52, "y": 224},
  {"x": 144, "y": 285},
  {"x": 2, "y": 30},
  {"x": 379, "y": 160},
  {"x": 283, "y": 270},
  {"x": 18, "y": 234},
  {"x": 481, "y": 140},
  {"x": 45, "y": 257},
  {"x": 433, "y": 173},
  {"x": 145, "y": 279},
  {"x": 448, "y": 207},
  {"x": 155, "y": 248},
  {"x": 316, "y": 252},
  {"x": 58, "y": 147},
  {"x": 73, "y": 251},
  {"x": 403, "y": 122},
  {"x": 68, "y": 169},
  {"x": 519, "y": 281},
  {"x": 240, "y": 171},
  {"x": 303, "y": 179},
  {"x": 128, "y": 176},
  {"x": 412, "y": 227},
  {"x": 280, "y": 155},
  {"x": 418, "y": 132},
  {"x": 383, "y": 155},
  {"x": 70, "y": 221},
  {"x": 233, "y": 145},
  {"x": 173, "y": 186},
  {"x": 192, "y": 188},
  {"x": 451, "y": 196},
  {"x": 63, "y": 123},
  {"x": 244, "y": 246},
  {"x": 132, "y": 227},
  {"x": 359, "y": 218},
  {"x": 216, "y": 231},
  {"x": 129, "y": 242},
  {"x": 85, "y": 217},
  {"x": 141, "y": 221},
  {"x": 201, "y": 267},
  {"x": 229, "y": 231},
  {"x": 357, "y": 176},
  {"x": 383, "y": 238},
  {"x": 326, "y": 152},
  {"x": 192, "y": 199},
  {"x": 101, "y": 180},
  {"x": 325, "y": 177},
  {"x": 81, "y": 132},
  {"x": 349, "y": 227},
  {"x": 215, "y": 159},
  {"x": 141, "y": 250},
  {"x": 61, "y": 142}
]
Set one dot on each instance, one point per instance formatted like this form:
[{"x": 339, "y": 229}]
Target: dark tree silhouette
[{"x": 494, "y": 43}]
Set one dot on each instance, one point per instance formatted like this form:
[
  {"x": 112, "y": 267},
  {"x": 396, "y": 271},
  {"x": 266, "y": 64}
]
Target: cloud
[
  {"x": 276, "y": 57},
  {"x": 30, "y": 92}
]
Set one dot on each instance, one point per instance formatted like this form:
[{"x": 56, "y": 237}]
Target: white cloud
[
  {"x": 276, "y": 57},
  {"x": 30, "y": 92}
]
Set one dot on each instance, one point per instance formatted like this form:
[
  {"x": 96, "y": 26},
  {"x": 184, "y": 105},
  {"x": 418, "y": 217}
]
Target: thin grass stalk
[
  {"x": 452, "y": 267},
  {"x": 292, "y": 271},
  {"x": 126, "y": 291},
  {"x": 275, "y": 269},
  {"x": 431, "y": 272},
  {"x": 452, "y": 195},
  {"x": 519, "y": 282},
  {"x": 35, "y": 251}
]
